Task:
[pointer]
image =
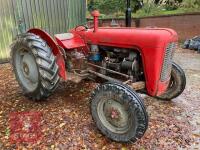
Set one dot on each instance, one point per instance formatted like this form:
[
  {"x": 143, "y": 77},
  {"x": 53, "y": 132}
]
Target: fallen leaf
[
  {"x": 62, "y": 124},
  {"x": 52, "y": 146},
  {"x": 124, "y": 148}
]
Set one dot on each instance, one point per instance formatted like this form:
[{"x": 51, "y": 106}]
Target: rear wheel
[
  {"x": 177, "y": 83},
  {"x": 35, "y": 66},
  {"x": 119, "y": 112}
]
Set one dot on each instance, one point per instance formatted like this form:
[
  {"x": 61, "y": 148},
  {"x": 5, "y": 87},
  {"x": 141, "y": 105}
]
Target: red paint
[
  {"x": 55, "y": 49},
  {"x": 96, "y": 14},
  {"x": 75, "y": 42},
  {"x": 61, "y": 64},
  {"x": 150, "y": 42}
]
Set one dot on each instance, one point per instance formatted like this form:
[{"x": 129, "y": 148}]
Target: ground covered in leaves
[{"x": 67, "y": 124}]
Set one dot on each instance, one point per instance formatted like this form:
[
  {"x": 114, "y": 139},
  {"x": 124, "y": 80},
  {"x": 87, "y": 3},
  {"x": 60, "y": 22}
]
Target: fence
[{"x": 54, "y": 16}]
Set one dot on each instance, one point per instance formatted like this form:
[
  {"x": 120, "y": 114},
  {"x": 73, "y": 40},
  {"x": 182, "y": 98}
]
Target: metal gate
[{"x": 54, "y": 16}]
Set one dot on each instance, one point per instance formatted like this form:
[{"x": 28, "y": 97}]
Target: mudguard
[{"x": 55, "y": 49}]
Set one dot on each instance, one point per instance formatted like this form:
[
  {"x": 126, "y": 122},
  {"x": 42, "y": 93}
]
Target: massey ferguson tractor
[{"x": 124, "y": 60}]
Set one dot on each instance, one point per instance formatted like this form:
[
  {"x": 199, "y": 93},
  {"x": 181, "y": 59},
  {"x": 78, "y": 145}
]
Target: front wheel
[
  {"x": 119, "y": 112},
  {"x": 177, "y": 83}
]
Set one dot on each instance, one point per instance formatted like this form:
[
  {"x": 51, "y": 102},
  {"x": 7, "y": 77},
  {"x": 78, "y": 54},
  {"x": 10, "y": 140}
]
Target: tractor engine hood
[
  {"x": 130, "y": 37},
  {"x": 151, "y": 42}
]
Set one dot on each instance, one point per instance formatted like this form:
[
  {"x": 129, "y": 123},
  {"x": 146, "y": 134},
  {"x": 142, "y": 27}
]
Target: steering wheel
[{"x": 85, "y": 27}]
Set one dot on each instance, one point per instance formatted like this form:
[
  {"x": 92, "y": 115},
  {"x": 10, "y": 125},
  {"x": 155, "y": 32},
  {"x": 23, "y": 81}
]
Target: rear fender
[
  {"x": 70, "y": 40},
  {"x": 55, "y": 49}
]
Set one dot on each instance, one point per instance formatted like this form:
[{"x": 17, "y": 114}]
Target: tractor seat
[
  {"x": 64, "y": 36},
  {"x": 69, "y": 41}
]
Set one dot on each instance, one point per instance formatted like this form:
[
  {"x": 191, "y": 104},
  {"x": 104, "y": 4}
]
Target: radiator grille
[{"x": 167, "y": 62}]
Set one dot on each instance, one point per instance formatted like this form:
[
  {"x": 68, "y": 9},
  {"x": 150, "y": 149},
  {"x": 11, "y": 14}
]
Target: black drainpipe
[{"x": 128, "y": 14}]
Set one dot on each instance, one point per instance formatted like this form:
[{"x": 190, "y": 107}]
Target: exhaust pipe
[{"x": 128, "y": 14}]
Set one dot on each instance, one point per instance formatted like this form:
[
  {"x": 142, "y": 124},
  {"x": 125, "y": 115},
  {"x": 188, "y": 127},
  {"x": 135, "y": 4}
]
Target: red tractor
[{"x": 131, "y": 60}]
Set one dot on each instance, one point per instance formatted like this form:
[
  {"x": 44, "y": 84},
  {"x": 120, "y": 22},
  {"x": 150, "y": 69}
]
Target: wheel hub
[
  {"x": 25, "y": 69},
  {"x": 29, "y": 67},
  {"x": 114, "y": 115}
]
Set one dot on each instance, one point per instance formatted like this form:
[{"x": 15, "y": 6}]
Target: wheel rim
[
  {"x": 113, "y": 116},
  {"x": 27, "y": 70}
]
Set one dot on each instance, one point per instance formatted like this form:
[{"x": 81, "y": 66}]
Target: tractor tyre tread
[
  {"x": 132, "y": 100},
  {"x": 46, "y": 64},
  {"x": 174, "y": 91}
]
